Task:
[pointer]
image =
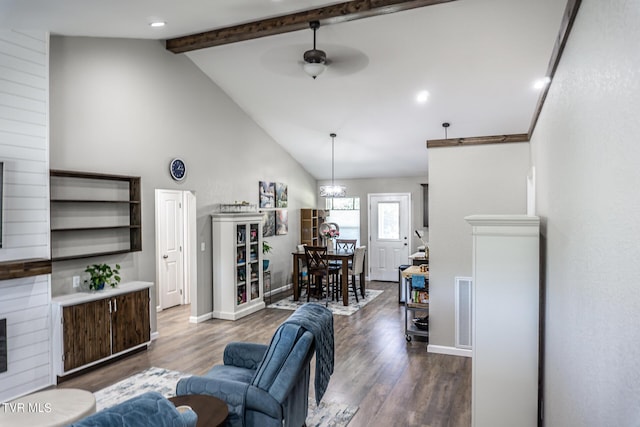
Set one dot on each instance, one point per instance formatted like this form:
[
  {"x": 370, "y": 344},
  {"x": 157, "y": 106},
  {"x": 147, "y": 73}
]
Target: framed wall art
[
  {"x": 268, "y": 223},
  {"x": 281, "y": 195},
  {"x": 282, "y": 222},
  {"x": 267, "y": 194}
]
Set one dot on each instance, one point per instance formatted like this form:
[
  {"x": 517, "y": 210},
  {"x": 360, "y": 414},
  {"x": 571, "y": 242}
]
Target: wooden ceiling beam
[
  {"x": 478, "y": 140},
  {"x": 333, "y": 14},
  {"x": 570, "y": 13},
  {"x": 571, "y": 10}
]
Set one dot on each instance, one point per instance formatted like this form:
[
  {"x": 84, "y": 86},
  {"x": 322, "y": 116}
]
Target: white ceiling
[{"x": 477, "y": 58}]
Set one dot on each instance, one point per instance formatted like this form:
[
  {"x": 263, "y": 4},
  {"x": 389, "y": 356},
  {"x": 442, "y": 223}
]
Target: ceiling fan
[
  {"x": 344, "y": 59},
  {"x": 315, "y": 60}
]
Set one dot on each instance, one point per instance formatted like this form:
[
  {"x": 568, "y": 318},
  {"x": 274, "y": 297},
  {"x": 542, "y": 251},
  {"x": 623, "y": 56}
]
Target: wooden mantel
[{"x": 24, "y": 268}]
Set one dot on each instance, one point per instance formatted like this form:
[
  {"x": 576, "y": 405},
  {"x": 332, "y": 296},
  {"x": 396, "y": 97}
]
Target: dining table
[{"x": 337, "y": 255}]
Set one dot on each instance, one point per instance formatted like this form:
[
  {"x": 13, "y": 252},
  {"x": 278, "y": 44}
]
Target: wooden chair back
[
  {"x": 316, "y": 257},
  {"x": 347, "y": 245}
]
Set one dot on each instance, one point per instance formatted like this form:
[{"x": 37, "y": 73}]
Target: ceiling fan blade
[
  {"x": 346, "y": 60},
  {"x": 287, "y": 60}
]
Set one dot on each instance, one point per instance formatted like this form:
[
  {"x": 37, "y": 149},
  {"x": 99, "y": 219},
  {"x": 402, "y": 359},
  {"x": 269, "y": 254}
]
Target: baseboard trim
[
  {"x": 201, "y": 318},
  {"x": 452, "y": 351},
  {"x": 279, "y": 290},
  {"x": 154, "y": 335}
]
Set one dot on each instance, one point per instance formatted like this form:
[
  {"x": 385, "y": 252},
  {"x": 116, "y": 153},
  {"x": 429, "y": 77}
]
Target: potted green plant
[
  {"x": 266, "y": 248},
  {"x": 101, "y": 275}
]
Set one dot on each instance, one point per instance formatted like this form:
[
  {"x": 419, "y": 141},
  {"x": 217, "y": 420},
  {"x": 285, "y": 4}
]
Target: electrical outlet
[{"x": 76, "y": 281}]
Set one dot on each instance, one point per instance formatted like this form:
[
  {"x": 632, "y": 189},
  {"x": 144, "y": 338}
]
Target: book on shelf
[{"x": 418, "y": 296}]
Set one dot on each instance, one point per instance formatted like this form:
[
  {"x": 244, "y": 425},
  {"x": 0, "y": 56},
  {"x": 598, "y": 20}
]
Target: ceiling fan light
[
  {"x": 315, "y": 60},
  {"x": 314, "y": 69}
]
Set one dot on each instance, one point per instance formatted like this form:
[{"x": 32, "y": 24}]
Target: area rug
[
  {"x": 327, "y": 414},
  {"x": 336, "y": 307}
]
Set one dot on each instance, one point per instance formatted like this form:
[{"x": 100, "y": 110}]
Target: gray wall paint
[
  {"x": 128, "y": 107},
  {"x": 483, "y": 179},
  {"x": 586, "y": 153},
  {"x": 362, "y": 187}
]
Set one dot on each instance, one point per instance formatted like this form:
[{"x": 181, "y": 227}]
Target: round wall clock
[{"x": 178, "y": 169}]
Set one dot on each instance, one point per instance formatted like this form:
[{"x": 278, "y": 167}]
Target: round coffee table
[
  {"x": 211, "y": 411},
  {"x": 50, "y": 408}
]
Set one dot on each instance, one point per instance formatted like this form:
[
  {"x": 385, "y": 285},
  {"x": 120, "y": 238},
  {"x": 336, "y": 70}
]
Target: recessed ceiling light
[
  {"x": 158, "y": 24},
  {"x": 422, "y": 97},
  {"x": 539, "y": 84}
]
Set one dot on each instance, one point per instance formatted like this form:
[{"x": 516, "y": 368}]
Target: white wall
[
  {"x": 24, "y": 132},
  {"x": 128, "y": 107},
  {"x": 587, "y": 154},
  {"x": 481, "y": 179},
  {"x": 24, "y": 143}
]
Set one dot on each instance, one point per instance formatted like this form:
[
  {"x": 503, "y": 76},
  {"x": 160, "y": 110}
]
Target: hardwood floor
[{"x": 393, "y": 382}]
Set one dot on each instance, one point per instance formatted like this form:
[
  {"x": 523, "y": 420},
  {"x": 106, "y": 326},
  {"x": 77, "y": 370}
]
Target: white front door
[
  {"x": 389, "y": 234},
  {"x": 169, "y": 247}
]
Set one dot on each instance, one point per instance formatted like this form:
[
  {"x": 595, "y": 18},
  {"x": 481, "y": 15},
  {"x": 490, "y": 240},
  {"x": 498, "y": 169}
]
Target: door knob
[{"x": 165, "y": 256}]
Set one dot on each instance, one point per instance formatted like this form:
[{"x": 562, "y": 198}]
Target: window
[
  {"x": 345, "y": 211},
  {"x": 389, "y": 220}
]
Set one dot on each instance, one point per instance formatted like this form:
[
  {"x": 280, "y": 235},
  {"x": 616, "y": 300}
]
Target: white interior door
[
  {"x": 169, "y": 247},
  {"x": 389, "y": 234}
]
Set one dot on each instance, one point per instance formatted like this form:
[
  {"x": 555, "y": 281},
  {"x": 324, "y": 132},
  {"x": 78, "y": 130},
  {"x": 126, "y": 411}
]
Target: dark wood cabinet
[
  {"x": 97, "y": 330},
  {"x": 86, "y": 333},
  {"x": 128, "y": 328}
]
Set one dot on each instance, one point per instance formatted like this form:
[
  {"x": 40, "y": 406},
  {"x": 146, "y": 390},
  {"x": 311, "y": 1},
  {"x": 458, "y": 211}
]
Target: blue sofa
[
  {"x": 150, "y": 409},
  {"x": 268, "y": 386}
]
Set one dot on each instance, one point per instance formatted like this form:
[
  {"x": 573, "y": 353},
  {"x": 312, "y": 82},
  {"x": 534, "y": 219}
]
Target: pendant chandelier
[{"x": 333, "y": 190}]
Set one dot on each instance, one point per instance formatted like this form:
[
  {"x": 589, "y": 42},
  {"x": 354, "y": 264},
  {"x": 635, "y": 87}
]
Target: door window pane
[{"x": 389, "y": 220}]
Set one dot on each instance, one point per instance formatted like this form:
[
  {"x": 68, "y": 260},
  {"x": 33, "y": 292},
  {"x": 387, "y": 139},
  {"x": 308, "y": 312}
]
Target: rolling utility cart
[{"x": 416, "y": 307}]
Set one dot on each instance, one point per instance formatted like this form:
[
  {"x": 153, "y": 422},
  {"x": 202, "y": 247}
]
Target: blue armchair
[
  {"x": 148, "y": 409},
  {"x": 268, "y": 386}
]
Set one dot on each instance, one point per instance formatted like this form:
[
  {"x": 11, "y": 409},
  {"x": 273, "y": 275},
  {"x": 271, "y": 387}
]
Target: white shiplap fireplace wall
[{"x": 24, "y": 149}]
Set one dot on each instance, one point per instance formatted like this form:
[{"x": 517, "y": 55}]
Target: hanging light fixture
[
  {"x": 445, "y": 125},
  {"x": 333, "y": 190},
  {"x": 315, "y": 60}
]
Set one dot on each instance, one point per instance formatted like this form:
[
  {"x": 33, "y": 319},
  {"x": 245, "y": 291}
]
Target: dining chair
[
  {"x": 319, "y": 270},
  {"x": 344, "y": 245},
  {"x": 356, "y": 269},
  {"x": 347, "y": 245}
]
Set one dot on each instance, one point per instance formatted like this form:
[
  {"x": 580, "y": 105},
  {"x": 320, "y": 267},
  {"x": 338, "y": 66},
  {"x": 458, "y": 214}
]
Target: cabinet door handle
[
  {"x": 115, "y": 305},
  {"x": 110, "y": 310}
]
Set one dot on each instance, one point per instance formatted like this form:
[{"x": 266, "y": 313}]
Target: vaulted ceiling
[{"x": 477, "y": 59}]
